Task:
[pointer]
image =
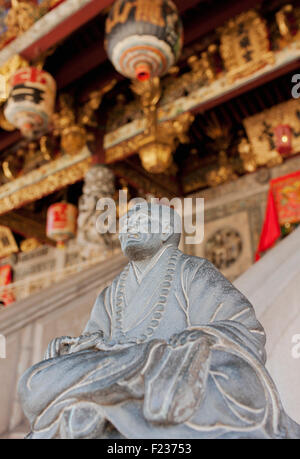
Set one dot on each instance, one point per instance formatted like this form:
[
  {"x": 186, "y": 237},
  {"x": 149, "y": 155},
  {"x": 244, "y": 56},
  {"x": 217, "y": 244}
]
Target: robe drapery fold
[{"x": 192, "y": 365}]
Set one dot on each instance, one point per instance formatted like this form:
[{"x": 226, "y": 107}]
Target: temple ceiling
[{"x": 219, "y": 111}]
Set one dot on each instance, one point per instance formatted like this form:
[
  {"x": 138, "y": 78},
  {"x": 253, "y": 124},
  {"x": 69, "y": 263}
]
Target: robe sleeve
[
  {"x": 216, "y": 303},
  {"x": 228, "y": 364},
  {"x": 101, "y": 315}
]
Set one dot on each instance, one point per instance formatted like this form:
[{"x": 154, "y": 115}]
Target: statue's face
[{"x": 138, "y": 242}]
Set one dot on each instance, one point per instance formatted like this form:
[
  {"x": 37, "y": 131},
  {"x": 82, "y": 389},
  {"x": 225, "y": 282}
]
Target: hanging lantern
[
  {"x": 156, "y": 157},
  {"x": 144, "y": 37},
  {"x": 61, "y": 222},
  {"x": 30, "y": 104},
  {"x": 283, "y": 139}
]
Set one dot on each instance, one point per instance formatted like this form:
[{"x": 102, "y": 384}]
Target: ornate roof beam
[
  {"x": 25, "y": 223},
  {"x": 43, "y": 181},
  {"x": 53, "y": 27}
]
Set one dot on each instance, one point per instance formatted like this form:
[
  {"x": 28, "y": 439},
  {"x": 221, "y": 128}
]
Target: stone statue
[
  {"x": 99, "y": 182},
  {"x": 172, "y": 350}
]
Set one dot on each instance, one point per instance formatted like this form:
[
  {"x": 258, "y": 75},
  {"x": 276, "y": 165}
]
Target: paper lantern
[
  {"x": 30, "y": 104},
  {"x": 143, "y": 37},
  {"x": 61, "y": 221},
  {"x": 283, "y": 139}
]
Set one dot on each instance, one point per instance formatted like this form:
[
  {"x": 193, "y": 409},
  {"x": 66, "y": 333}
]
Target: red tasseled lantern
[
  {"x": 31, "y": 100},
  {"x": 283, "y": 139},
  {"x": 61, "y": 222}
]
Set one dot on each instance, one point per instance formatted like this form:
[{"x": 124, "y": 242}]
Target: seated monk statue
[{"x": 172, "y": 350}]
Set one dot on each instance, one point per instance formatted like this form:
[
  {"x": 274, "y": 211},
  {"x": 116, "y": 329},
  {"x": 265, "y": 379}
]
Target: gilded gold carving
[
  {"x": 36, "y": 189},
  {"x": 8, "y": 244},
  {"x": 6, "y": 170},
  {"x": 224, "y": 173},
  {"x": 66, "y": 115},
  {"x": 288, "y": 17},
  {"x": 202, "y": 73},
  {"x": 202, "y": 69},
  {"x": 221, "y": 136},
  {"x": 70, "y": 127},
  {"x": 156, "y": 157},
  {"x": 260, "y": 131},
  {"x": 245, "y": 45},
  {"x": 20, "y": 17},
  {"x": 247, "y": 155},
  {"x": 218, "y": 132},
  {"x": 172, "y": 129},
  {"x": 46, "y": 147},
  {"x": 6, "y": 71},
  {"x": 144, "y": 11},
  {"x": 86, "y": 116},
  {"x": 282, "y": 21},
  {"x": 122, "y": 111},
  {"x": 73, "y": 137},
  {"x": 150, "y": 93},
  {"x": 29, "y": 244},
  {"x": 4, "y": 124},
  {"x": 12, "y": 165},
  {"x": 158, "y": 141}
]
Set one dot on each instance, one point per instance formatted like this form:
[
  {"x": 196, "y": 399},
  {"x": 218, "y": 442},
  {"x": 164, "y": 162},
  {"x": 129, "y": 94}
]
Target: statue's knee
[
  {"x": 82, "y": 420},
  {"x": 23, "y": 389},
  {"x": 29, "y": 398}
]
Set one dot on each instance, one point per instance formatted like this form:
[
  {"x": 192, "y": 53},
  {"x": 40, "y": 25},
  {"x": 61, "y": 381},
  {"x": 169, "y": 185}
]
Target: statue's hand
[
  {"x": 68, "y": 345},
  {"x": 56, "y": 346}
]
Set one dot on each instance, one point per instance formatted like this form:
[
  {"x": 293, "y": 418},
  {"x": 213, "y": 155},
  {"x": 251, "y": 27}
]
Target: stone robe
[{"x": 210, "y": 382}]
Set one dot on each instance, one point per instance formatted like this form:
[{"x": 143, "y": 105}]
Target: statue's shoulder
[
  {"x": 109, "y": 289},
  {"x": 198, "y": 266},
  {"x": 193, "y": 263},
  {"x": 122, "y": 275}
]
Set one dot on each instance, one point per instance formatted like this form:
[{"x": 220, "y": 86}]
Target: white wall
[{"x": 273, "y": 287}]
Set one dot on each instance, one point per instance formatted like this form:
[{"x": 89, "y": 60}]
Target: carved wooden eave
[
  {"x": 53, "y": 27},
  {"x": 159, "y": 185},
  {"x": 27, "y": 224},
  {"x": 44, "y": 180},
  {"x": 125, "y": 140}
]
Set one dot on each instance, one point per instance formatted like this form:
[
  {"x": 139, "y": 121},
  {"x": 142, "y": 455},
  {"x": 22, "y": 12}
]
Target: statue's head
[{"x": 146, "y": 228}]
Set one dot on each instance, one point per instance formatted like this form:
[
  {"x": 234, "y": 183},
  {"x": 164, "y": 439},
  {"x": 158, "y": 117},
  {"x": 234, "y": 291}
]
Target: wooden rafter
[{"x": 27, "y": 224}]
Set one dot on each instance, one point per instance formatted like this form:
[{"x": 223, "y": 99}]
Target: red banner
[
  {"x": 283, "y": 207},
  {"x": 6, "y": 297}
]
